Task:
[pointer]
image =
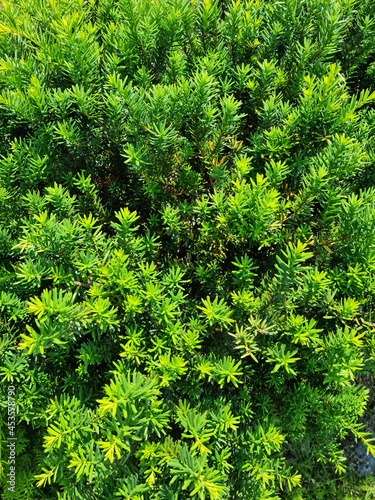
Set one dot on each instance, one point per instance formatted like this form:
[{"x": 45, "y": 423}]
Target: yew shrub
[{"x": 187, "y": 244}]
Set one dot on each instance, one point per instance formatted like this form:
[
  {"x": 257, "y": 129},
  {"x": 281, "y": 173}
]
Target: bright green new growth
[{"x": 187, "y": 244}]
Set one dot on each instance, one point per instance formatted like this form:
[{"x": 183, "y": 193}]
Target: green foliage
[{"x": 187, "y": 234}]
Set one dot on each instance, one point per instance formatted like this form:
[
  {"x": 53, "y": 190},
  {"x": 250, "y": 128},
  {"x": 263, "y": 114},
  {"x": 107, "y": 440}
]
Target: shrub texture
[{"x": 187, "y": 244}]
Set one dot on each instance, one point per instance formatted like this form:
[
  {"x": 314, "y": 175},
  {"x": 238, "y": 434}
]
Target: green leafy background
[{"x": 187, "y": 244}]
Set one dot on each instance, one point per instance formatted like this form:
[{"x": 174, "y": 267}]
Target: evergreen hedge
[{"x": 187, "y": 240}]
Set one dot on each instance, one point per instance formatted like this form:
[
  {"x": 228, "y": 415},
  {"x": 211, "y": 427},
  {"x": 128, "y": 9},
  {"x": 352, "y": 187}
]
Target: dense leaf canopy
[{"x": 187, "y": 244}]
